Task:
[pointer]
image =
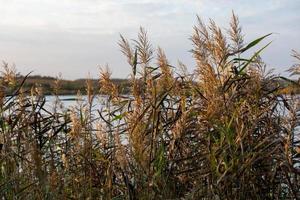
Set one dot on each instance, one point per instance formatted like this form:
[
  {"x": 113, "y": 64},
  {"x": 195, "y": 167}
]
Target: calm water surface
[{"x": 68, "y": 101}]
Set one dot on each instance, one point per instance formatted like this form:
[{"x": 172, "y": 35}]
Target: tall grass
[{"x": 226, "y": 131}]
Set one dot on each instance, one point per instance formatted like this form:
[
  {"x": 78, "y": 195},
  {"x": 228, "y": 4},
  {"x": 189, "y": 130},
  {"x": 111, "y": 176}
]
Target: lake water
[{"x": 68, "y": 101}]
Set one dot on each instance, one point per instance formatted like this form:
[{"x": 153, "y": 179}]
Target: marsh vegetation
[{"x": 226, "y": 131}]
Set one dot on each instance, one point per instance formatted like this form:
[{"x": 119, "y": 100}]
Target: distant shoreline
[{"x": 50, "y": 85}]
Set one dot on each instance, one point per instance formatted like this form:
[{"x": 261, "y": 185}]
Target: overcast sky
[{"x": 75, "y": 37}]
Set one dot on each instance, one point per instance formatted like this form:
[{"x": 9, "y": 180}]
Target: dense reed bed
[{"x": 226, "y": 131}]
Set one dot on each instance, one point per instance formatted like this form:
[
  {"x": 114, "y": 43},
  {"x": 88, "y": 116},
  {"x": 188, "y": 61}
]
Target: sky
[{"x": 76, "y": 37}]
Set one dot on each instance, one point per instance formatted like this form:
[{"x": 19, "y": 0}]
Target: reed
[{"x": 226, "y": 131}]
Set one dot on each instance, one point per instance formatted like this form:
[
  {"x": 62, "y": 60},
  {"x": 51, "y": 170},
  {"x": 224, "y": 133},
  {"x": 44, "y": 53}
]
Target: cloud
[
  {"x": 101, "y": 15},
  {"x": 76, "y": 35}
]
